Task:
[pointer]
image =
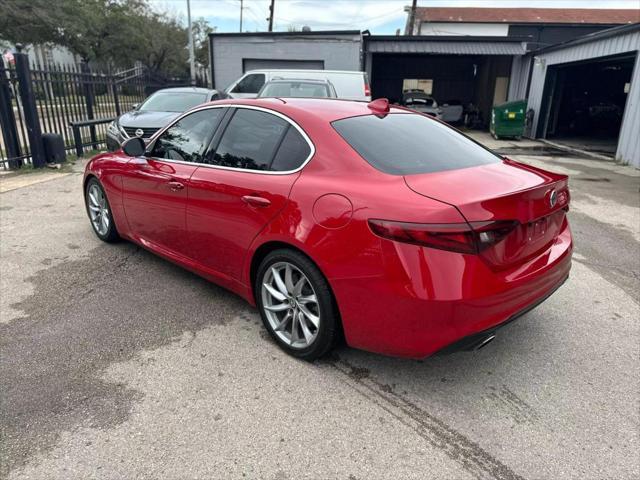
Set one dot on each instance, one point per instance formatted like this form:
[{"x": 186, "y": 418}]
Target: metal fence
[{"x": 37, "y": 100}]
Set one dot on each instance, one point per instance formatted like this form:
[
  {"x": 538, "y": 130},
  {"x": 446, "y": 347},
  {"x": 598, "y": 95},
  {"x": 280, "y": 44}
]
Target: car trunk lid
[{"x": 506, "y": 191}]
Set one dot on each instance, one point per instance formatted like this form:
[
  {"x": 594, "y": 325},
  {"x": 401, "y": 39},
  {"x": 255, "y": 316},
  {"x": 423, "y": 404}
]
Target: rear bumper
[
  {"x": 480, "y": 339},
  {"x": 427, "y": 300}
]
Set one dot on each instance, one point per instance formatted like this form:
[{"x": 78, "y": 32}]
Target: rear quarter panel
[{"x": 340, "y": 242}]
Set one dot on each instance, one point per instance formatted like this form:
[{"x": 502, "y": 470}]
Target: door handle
[
  {"x": 255, "y": 201},
  {"x": 175, "y": 186}
]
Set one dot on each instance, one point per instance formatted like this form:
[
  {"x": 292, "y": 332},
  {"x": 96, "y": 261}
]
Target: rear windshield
[
  {"x": 419, "y": 101},
  {"x": 405, "y": 144},
  {"x": 295, "y": 89}
]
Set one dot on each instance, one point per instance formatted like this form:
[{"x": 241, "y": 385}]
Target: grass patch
[
  {"x": 87, "y": 154},
  {"x": 65, "y": 167}
]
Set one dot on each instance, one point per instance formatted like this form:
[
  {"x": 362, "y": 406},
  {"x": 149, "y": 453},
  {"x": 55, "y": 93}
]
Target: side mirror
[
  {"x": 134, "y": 147},
  {"x": 135, "y": 106}
]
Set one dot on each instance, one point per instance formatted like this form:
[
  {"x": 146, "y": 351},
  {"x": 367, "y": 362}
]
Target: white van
[{"x": 349, "y": 85}]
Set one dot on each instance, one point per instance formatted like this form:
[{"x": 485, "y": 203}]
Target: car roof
[
  {"x": 186, "y": 90},
  {"x": 267, "y": 70},
  {"x": 304, "y": 80},
  {"x": 322, "y": 109}
]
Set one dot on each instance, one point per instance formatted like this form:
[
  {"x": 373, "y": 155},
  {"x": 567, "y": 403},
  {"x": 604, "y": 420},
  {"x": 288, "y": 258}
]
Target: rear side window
[
  {"x": 249, "y": 141},
  {"x": 405, "y": 144},
  {"x": 250, "y": 84},
  {"x": 292, "y": 153}
]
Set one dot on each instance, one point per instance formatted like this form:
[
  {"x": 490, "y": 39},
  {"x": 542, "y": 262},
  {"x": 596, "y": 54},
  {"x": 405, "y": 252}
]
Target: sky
[{"x": 379, "y": 16}]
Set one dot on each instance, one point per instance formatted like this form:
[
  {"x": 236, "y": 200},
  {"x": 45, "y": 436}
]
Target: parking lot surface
[{"x": 118, "y": 364}]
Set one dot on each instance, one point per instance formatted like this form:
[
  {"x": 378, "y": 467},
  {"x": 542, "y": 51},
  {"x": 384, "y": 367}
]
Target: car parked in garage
[
  {"x": 159, "y": 109},
  {"x": 342, "y": 217},
  {"x": 452, "y": 111},
  {"x": 349, "y": 85},
  {"x": 419, "y": 101},
  {"x": 281, "y": 87}
]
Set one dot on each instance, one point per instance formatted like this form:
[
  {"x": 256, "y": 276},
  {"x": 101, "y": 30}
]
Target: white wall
[
  {"x": 49, "y": 54},
  {"x": 478, "y": 29},
  {"x": 338, "y": 52}
]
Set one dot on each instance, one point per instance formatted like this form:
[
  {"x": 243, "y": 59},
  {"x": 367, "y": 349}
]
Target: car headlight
[{"x": 113, "y": 128}]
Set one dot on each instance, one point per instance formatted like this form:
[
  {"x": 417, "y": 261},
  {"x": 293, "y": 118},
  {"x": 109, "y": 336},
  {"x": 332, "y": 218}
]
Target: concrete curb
[{"x": 577, "y": 151}]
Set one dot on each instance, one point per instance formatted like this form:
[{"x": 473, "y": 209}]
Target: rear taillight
[
  {"x": 491, "y": 232},
  {"x": 471, "y": 237},
  {"x": 367, "y": 90}
]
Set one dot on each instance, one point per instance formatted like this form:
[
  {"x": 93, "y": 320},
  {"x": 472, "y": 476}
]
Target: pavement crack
[
  {"x": 506, "y": 400},
  {"x": 467, "y": 453}
]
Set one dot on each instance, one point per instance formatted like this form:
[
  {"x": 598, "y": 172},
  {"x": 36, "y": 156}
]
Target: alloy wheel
[
  {"x": 290, "y": 305},
  {"x": 98, "y": 210}
]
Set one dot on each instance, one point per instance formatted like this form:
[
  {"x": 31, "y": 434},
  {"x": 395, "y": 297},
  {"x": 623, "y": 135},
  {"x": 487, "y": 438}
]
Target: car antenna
[{"x": 380, "y": 106}]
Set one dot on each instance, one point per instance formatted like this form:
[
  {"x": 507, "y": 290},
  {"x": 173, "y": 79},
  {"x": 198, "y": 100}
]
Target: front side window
[
  {"x": 250, "y": 84},
  {"x": 186, "y": 139},
  {"x": 405, "y": 144}
]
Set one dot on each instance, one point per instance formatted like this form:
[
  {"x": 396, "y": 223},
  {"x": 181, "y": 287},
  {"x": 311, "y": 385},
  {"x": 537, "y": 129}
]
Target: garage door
[{"x": 265, "y": 64}]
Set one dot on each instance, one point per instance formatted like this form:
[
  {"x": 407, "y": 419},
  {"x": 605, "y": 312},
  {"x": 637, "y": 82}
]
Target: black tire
[
  {"x": 111, "y": 234},
  {"x": 329, "y": 324}
]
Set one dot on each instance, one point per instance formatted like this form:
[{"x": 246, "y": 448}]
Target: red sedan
[{"x": 338, "y": 216}]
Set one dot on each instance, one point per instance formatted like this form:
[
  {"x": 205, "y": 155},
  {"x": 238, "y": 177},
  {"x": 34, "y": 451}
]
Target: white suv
[{"x": 348, "y": 85}]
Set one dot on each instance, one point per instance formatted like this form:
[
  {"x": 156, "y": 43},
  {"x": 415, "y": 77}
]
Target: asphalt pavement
[{"x": 116, "y": 364}]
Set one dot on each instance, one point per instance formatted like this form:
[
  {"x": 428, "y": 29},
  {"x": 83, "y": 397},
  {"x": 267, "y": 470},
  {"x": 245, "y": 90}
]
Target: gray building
[
  {"x": 460, "y": 69},
  {"x": 586, "y": 92},
  {"x": 454, "y": 69},
  {"x": 233, "y": 54},
  {"x": 542, "y": 26}
]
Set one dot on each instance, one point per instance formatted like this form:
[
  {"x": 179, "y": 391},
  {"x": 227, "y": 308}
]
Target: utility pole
[
  {"x": 192, "y": 57},
  {"x": 241, "y": 8},
  {"x": 412, "y": 17},
  {"x": 271, "y": 15}
]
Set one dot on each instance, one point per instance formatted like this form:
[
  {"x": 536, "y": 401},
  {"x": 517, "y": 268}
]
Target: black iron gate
[{"x": 36, "y": 100}]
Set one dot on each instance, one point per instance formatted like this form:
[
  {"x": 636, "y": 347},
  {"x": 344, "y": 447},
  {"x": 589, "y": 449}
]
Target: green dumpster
[{"x": 507, "y": 120}]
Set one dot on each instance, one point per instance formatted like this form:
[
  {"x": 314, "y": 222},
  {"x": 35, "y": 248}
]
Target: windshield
[
  {"x": 172, "y": 101},
  {"x": 295, "y": 89},
  {"x": 405, "y": 144},
  {"x": 419, "y": 101}
]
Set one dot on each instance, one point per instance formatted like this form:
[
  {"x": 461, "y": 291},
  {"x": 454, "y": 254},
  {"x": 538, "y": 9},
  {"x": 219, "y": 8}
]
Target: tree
[
  {"x": 115, "y": 33},
  {"x": 101, "y": 30},
  {"x": 166, "y": 45},
  {"x": 201, "y": 30},
  {"x": 29, "y": 21}
]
